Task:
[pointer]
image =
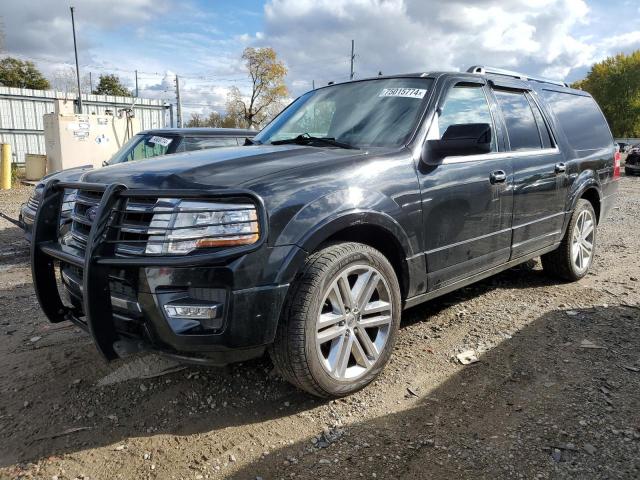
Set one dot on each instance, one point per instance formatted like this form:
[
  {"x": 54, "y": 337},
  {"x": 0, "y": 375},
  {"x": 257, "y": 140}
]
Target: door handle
[
  {"x": 561, "y": 168},
  {"x": 498, "y": 176}
]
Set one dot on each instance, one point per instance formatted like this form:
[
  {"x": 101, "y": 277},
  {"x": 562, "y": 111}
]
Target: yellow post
[{"x": 5, "y": 167}]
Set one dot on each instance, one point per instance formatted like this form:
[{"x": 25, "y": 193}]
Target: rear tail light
[{"x": 616, "y": 165}]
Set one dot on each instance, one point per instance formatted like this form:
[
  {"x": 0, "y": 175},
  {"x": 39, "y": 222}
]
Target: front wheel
[
  {"x": 340, "y": 321},
  {"x": 573, "y": 258}
]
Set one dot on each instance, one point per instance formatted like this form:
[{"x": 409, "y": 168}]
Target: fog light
[
  {"x": 192, "y": 312},
  {"x": 188, "y": 318}
]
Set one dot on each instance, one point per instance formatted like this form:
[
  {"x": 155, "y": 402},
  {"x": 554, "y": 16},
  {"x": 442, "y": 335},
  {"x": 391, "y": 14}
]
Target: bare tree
[{"x": 64, "y": 80}]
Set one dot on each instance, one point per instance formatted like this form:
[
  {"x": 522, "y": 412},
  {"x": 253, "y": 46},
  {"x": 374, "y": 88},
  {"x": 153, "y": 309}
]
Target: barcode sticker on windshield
[
  {"x": 403, "y": 92},
  {"x": 160, "y": 141}
]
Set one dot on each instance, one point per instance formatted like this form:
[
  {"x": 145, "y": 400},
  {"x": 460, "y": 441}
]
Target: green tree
[
  {"x": 615, "y": 84},
  {"x": 21, "y": 74},
  {"x": 268, "y": 90},
  {"x": 111, "y": 85}
]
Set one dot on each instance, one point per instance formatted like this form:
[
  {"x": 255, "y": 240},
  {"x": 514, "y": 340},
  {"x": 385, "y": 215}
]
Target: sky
[{"x": 202, "y": 41}]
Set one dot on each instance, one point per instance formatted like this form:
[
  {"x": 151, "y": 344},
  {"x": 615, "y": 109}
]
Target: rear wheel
[
  {"x": 339, "y": 322},
  {"x": 573, "y": 258}
]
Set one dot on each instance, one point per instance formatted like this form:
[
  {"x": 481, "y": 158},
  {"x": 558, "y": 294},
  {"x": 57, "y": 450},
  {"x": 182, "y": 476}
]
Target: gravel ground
[{"x": 553, "y": 395}]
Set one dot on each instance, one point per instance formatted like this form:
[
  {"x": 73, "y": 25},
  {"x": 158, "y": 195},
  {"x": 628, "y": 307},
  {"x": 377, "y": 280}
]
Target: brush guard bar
[{"x": 100, "y": 253}]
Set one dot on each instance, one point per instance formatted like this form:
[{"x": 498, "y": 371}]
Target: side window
[
  {"x": 201, "y": 143},
  {"x": 543, "y": 128},
  {"x": 464, "y": 104},
  {"x": 521, "y": 124},
  {"x": 580, "y": 119},
  {"x": 149, "y": 147}
]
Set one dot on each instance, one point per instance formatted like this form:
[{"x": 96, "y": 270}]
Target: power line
[
  {"x": 192, "y": 104},
  {"x": 141, "y": 74}
]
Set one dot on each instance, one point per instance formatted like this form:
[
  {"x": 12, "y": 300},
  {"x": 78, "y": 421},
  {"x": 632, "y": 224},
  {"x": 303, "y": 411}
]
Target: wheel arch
[
  {"x": 586, "y": 186},
  {"x": 375, "y": 229},
  {"x": 593, "y": 196}
]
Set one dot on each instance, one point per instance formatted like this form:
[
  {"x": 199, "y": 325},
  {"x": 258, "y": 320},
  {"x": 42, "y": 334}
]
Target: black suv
[{"x": 359, "y": 200}]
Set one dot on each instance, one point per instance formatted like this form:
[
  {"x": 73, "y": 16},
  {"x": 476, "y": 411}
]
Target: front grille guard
[{"x": 100, "y": 254}]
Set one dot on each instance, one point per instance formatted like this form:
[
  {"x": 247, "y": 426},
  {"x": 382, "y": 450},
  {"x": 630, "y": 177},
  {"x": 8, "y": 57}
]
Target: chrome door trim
[
  {"x": 498, "y": 155},
  {"x": 457, "y": 244},
  {"x": 548, "y": 217}
]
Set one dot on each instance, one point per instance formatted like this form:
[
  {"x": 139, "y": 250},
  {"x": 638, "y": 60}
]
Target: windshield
[
  {"x": 144, "y": 146},
  {"x": 366, "y": 113}
]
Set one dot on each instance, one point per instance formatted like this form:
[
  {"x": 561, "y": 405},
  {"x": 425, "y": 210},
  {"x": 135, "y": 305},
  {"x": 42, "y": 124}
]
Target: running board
[{"x": 424, "y": 297}]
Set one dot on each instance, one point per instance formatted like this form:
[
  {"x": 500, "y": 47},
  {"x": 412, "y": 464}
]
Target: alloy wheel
[
  {"x": 582, "y": 241},
  {"x": 354, "y": 321}
]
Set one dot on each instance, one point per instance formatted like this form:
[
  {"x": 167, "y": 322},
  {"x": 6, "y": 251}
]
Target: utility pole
[
  {"x": 313, "y": 84},
  {"x": 90, "y": 83},
  {"x": 179, "y": 103},
  {"x": 353, "y": 56},
  {"x": 75, "y": 49},
  {"x": 136, "y": 83}
]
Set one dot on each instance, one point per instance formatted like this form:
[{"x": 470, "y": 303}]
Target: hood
[
  {"x": 68, "y": 175},
  {"x": 217, "y": 168}
]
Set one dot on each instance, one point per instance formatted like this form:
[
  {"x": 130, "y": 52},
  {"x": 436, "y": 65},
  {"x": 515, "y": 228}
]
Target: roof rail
[{"x": 508, "y": 73}]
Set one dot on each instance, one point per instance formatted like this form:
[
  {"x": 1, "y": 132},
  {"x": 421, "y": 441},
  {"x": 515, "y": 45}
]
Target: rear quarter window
[{"x": 580, "y": 119}]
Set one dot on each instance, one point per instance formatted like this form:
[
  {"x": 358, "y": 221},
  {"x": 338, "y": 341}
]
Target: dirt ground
[{"x": 554, "y": 395}]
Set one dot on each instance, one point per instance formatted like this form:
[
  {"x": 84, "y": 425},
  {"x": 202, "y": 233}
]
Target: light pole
[{"x": 75, "y": 49}]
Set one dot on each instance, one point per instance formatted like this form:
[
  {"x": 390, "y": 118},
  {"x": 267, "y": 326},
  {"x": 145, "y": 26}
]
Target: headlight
[
  {"x": 182, "y": 226},
  {"x": 68, "y": 201},
  {"x": 39, "y": 190}
]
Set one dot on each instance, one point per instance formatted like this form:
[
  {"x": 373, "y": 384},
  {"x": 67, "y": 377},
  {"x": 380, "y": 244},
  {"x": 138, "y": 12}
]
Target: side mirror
[{"x": 459, "y": 139}]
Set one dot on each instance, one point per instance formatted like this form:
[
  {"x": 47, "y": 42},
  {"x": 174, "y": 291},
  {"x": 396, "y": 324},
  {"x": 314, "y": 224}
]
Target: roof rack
[{"x": 508, "y": 73}]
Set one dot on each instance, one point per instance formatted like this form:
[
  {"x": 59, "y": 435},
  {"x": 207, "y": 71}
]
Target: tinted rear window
[{"x": 580, "y": 119}]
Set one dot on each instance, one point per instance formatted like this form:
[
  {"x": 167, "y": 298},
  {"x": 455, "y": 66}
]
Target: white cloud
[
  {"x": 554, "y": 38},
  {"x": 624, "y": 41},
  {"x": 120, "y": 36},
  {"x": 535, "y": 36},
  {"x": 43, "y": 28}
]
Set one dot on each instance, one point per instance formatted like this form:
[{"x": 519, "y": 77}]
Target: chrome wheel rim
[
  {"x": 354, "y": 322},
  {"x": 582, "y": 241}
]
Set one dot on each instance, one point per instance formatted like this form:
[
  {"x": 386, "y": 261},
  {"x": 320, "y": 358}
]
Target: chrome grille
[
  {"x": 80, "y": 222},
  {"x": 132, "y": 228},
  {"x": 134, "y": 225},
  {"x": 33, "y": 203}
]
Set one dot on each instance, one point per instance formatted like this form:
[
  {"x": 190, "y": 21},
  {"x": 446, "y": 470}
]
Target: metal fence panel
[{"x": 22, "y": 110}]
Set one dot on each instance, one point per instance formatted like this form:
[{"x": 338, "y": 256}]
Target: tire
[
  {"x": 563, "y": 262},
  {"x": 628, "y": 172},
  {"x": 330, "y": 278}
]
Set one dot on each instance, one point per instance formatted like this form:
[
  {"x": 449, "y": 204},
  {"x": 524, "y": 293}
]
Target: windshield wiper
[{"x": 305, "y": 139}]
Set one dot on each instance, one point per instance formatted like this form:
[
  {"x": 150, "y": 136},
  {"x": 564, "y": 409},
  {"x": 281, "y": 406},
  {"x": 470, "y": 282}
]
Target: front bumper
[
  {"x": 26, "y": 219},
  {"x": 120, "y": 300}
]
